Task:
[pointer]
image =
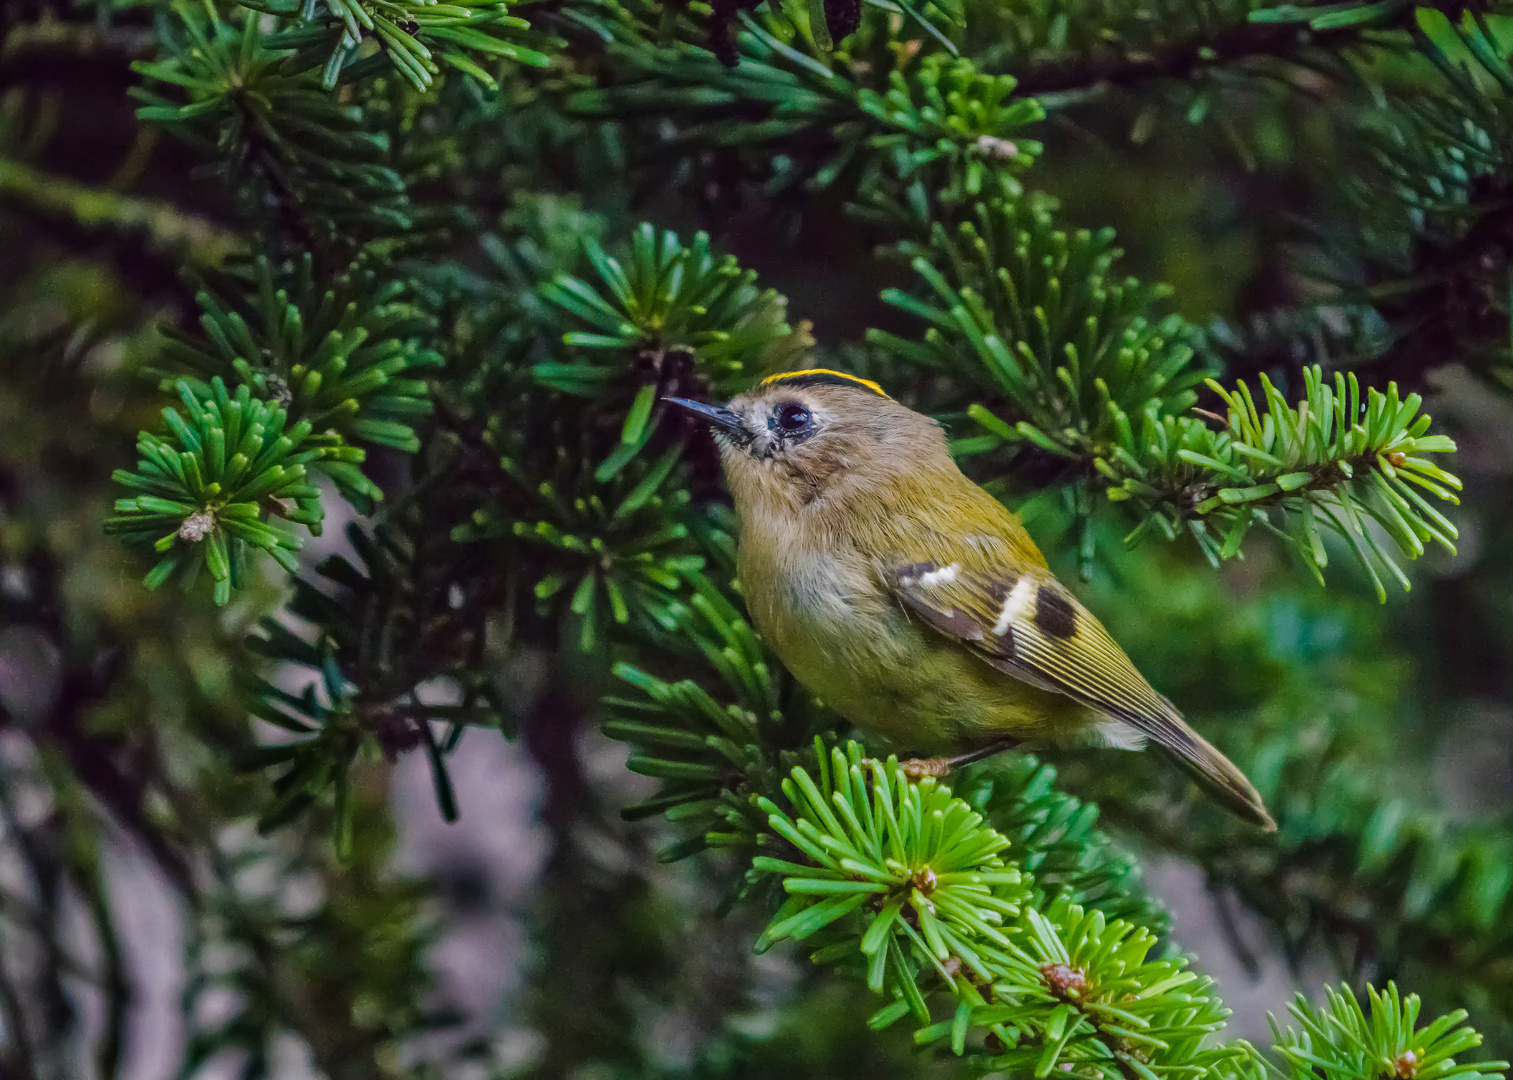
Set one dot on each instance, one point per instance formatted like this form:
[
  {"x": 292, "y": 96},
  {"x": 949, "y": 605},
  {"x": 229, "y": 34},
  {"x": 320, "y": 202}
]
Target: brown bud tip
[
  {"x": 993, "y": 146},
  {"x": 197, "y": 526},
  {"x": 1407, "y": 1065},
  {"x": 396, "y": 734},
  {"x": 1063, "y": 980}
]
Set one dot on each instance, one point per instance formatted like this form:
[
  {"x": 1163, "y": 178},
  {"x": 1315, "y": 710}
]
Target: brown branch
[
  {"x": 39, "y": 48},
  {"x": 1182, "y": 59},
  {"x": 167, "y": 228}
]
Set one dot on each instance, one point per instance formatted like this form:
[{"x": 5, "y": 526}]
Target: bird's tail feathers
[{"x": 1215, "y": 774}]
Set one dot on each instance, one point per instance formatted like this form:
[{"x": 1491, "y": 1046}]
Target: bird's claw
[{"x": 919, "y": 768}]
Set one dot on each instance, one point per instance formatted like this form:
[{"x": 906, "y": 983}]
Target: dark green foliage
[
  {"x": 205, "y": 496},
  {"x": 920, "y": 876},
  {"x": 1092, "y": 382},
  {"x": 356, "y": 951},
  {"x": 608, "y": 547},
  {"x": 274, "y": 135},
  {"x": 358, "y": 371},
  {"x": 315, "y": 373},
  {"x": 447, "y": 259},
  {"x": 361, "y": 677},
  {"x": 713, "y": 742},
  {"x": 1335, "y": 461},
  {"x": 1056, "y": 839},
  {"x": 1036, "y": 317},
  {"x": 415, "y": 38},
  {"x": 1377, "y": 879},
  {"x": 939, "y": 131},
  {"x": 684, "y": 314}
]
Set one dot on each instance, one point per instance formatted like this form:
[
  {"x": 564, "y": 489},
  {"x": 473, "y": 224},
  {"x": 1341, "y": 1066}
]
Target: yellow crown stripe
[{"x": 822, "y": 373}]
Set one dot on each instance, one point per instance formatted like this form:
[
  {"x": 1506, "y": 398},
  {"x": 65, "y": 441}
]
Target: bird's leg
[{"x": 915, "y": 768}]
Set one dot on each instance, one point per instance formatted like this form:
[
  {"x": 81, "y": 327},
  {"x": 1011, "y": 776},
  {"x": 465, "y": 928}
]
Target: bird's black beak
[{"x": 721, "y": 417}]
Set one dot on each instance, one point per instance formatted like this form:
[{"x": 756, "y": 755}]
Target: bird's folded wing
[{"x": 1028, "y": 626}]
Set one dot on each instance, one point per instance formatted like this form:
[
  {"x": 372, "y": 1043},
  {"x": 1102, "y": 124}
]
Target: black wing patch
[
  {"x": 1054, "y": 614},
  {"x": 1027, "y": 626}
]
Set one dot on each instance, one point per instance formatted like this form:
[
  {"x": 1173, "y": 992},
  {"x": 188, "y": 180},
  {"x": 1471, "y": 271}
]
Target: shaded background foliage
[{"x": 452, "y": 255}]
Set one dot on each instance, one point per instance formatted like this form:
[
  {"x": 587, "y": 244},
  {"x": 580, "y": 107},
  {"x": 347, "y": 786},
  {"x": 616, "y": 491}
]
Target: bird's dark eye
[{"x": 793, "y": 417}]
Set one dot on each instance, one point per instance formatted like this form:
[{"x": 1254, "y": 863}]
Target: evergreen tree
[{"x": 419, "y": 274}]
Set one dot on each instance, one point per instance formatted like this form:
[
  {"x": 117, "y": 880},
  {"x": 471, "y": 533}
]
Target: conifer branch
[
  {"x": 1430, "y": 241},
  {"x": 57, "y": 38},
  {"x": 998, "y": 918},
  {"x": 929, "y": 138},
  {"x": 197, "y": 242},
  {"x": 277, "y": 138},
  {"x": 1036, "y": 318},
  {"x": 1386, "y": 886},
  {"x": 871, "y": 868},
  {"x": 1194, "y": 56}
]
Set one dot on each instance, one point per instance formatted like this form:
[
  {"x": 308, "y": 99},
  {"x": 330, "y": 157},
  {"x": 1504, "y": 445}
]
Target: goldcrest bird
[{"x": 912, "y": 601}]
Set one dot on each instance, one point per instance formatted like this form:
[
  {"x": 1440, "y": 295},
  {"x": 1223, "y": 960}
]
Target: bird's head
[{"x": 806, "y": 437}]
